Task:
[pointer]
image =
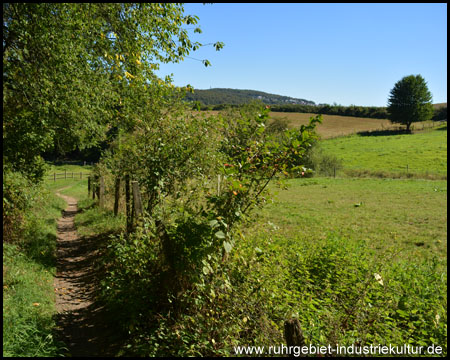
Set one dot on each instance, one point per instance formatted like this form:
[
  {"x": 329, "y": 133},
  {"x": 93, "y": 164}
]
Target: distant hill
[{"x": 219, "y": 96}]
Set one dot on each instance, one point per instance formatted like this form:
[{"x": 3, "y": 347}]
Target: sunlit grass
[
  {"x": 423, "y": 153},
  {"x": 409, "y": 215},
  {"x": 28, "y": 294}
]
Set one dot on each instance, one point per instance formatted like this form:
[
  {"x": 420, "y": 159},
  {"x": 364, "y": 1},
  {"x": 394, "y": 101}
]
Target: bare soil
[{"x": 82, "y": 322}]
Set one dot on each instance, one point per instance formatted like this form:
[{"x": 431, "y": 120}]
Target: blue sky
[{"x": 328, "y": 53}]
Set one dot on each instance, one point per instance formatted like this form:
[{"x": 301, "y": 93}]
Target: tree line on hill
[
  {"x": 219, "y": 96},
  {"x": 373, "y": 112},
  {"x": 326, "y": 109}
]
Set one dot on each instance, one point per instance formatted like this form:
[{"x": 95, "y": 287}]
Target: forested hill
[{"x": 236, "y": 97}]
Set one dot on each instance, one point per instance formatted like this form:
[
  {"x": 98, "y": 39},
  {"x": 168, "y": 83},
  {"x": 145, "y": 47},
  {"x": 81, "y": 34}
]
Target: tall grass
[{"x": 28, "y": 293}]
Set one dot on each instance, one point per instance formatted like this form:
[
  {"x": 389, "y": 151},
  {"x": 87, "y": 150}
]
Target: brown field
[
  {"x": 439, "y": 105},
  {"x": 335, "y": 125}
]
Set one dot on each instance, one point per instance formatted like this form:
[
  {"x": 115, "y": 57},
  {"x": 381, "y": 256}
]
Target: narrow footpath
[{"x": 81, "y": 321}]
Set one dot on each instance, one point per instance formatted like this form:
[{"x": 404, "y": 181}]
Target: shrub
[
  {"x": 18, "y": 197},
  {"x": 277, "y": 126},
  {"x": 323, "y": 163},
  {"x": 192, "y": 221}
]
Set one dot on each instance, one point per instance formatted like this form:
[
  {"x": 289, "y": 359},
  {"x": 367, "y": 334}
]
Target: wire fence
[{"x": 74, "y": 175}]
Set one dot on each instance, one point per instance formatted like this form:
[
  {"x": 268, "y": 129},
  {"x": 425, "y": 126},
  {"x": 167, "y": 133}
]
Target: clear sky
[{"x": 328, "y": 53}]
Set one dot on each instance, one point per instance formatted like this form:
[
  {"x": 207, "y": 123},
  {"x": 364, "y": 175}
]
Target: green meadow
[
  {"x": 420, "y": 154},
  {"x": 408, "y": 215},
  {"x": 357, "y": 261}
]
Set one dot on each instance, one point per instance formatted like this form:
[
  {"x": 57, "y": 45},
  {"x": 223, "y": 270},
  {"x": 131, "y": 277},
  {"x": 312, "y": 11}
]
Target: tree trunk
[{"x": 116, "y": 196}]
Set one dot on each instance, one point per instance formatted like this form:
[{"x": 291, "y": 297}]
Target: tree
[
  {"x": 201, "y": 177},
  {"x": 410, "y": 101},
  {"x": 70, "y": 69}
]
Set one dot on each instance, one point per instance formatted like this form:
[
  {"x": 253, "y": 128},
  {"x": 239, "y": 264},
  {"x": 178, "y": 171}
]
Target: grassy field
[
  {"x": 356, "y": 260},
  {"x": 439, "y": 105},
  {"x": 424, "y": 152},
  {"x": 337, "y": 126},
  {"x": 67, "y": 172},
  {"x": 408, "y": 215}
]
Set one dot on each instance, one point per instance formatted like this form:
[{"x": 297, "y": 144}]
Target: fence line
[
  {"x": 68, "y": 175},
  {"x": 133, "y": 200}
]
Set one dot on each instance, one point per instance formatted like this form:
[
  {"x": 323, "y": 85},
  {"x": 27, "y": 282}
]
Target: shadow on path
[{"x": 83, "y": 324}]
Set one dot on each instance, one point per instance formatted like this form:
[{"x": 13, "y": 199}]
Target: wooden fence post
[
  {"x": 89, "y": 185},
  {"x": 137, "y": 199},
  {"x": 117, "y": 196},
  {"x": 293, "y": 333},
  {"x": 97, "y": 188},
  {"x": 94, "y": 187},
  {"x": 101, "y": 193}
]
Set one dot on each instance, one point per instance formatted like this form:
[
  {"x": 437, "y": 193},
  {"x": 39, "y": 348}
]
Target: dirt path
[{"x": 81, "y": 321}]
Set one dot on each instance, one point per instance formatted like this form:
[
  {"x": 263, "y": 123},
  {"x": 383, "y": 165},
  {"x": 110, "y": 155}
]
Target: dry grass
[
  {"x": 439, "y": 105},
  {"x": 335, "y": 125},
  {"x": 332, "y": 126}
]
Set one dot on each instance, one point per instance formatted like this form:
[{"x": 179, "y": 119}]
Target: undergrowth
[{"x": 339, "y": 290}]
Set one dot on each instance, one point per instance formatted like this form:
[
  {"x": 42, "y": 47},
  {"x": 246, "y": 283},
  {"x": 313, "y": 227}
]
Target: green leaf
[
  {"x": 205, "y": 270},
  {"x": 213, "y": 223},
  {"x": 220, "y": 234},
  {"x": 227, "y": 246}
]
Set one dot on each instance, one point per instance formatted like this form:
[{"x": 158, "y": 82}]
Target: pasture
[
  {"x": 337, "y": 126},
  {"x": 405, "y": 214},
  {"x": 356, "y": 260},
  {"x": 332, "y": 125},
  {"x": 422, "y": 154}
]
